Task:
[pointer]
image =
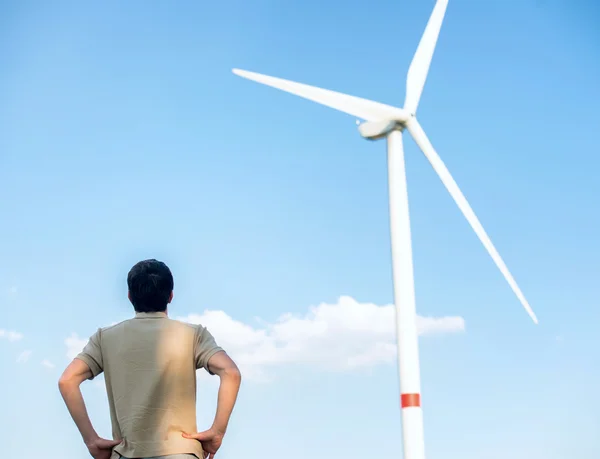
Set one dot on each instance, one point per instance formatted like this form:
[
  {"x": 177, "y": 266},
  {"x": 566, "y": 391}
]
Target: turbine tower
[{"x": 384, "y": 121}]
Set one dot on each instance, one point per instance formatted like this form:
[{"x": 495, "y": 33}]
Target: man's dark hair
[{"x": 150, "y": 284}]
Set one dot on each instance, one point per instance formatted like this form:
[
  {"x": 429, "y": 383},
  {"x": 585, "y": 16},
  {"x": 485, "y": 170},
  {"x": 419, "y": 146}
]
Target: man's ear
[
  {"x": 129, "y": 295},
  {"x": 171, "y": 297}
]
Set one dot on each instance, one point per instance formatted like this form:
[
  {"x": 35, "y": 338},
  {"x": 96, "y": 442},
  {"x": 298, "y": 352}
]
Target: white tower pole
[{"x": 404, "y": 300}]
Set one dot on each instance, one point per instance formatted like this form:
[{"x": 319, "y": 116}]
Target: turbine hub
[{"x": 375, "y": 130}]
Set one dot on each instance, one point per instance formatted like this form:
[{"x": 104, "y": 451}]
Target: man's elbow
[
  {"x": 77, "y": 372},
  {"x": 64, "y": 382},
  {"x": 232, "y": 373},
  {"x": 63, "y": 386},
  {"x": 224, "y": 367},
  {"x": 67, "y": 382}
]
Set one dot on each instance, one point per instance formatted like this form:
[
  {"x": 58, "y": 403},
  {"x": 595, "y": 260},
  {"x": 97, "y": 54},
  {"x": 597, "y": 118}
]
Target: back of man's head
[{"x": 150, "y": 284}]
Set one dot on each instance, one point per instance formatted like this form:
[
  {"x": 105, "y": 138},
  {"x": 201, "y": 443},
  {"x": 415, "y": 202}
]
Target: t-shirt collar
[{"x": 150, "y": 315}]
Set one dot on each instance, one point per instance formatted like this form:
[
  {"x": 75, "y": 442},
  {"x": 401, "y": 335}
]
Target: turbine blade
[
  {"x": 419, "y": 67},
  {"x": 360, "y": 108},
  {"x": 423, "y": 142}
]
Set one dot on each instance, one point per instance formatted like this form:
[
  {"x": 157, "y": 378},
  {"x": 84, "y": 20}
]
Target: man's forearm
[
  {"x": 73, "y": 398},
  {"x": 228, "y": 391}
]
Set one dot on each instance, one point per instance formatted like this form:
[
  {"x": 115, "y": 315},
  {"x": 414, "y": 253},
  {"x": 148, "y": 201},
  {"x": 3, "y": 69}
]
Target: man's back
[{"x": 150, "y": 365}]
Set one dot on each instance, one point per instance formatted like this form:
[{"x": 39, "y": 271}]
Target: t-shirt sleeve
[
  {"x": 205, "y": 347},
  {"x": 92, "y": 354}
]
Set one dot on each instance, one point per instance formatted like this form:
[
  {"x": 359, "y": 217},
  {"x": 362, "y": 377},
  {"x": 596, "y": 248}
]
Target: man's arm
[
  {"x": 211, "y": 357},
  {"x": 69, "y": 386},
  {"x": 221, "y": 365}
]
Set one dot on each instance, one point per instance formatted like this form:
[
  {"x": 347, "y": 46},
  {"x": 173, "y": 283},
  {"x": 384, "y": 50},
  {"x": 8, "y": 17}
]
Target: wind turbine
[{"x": 384, "y": 121}]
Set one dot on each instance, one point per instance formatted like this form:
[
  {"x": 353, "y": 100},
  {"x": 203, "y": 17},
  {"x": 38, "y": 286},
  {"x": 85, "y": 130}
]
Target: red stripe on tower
[{"x": 410, "y": 400}]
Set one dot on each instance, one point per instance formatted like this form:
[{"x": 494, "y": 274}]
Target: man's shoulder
[
  {"x": 197, "y": 329},
  {"x": 174, "y": 323},
  {"x": 185, "y": 324},
  {"x": 113, "y": 326}
]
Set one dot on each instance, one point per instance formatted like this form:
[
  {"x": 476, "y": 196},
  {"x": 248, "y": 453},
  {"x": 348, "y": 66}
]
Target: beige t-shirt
[{"x": 149, "y": 364}]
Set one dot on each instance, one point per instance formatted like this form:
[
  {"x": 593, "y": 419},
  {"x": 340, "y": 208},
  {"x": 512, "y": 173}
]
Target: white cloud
[
  {"x": 343, "y": 336},
  {"x": 74, "y": 345},
  {"x": 47, "y": 364},
  {"x": 10, "y": 335},
  {"x": 24, "y": 356}
]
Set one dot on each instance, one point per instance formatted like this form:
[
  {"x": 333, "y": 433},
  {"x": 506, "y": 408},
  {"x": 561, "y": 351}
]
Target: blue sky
[{"x": 124, "y": 135}]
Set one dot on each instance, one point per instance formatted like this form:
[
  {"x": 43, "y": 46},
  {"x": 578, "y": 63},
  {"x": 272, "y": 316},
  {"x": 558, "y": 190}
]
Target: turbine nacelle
[{"x": 376, "y": 130}]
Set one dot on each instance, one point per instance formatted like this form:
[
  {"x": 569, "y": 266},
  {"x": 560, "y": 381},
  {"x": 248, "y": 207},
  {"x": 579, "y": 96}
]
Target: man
[{"x": 149, "y": 364}]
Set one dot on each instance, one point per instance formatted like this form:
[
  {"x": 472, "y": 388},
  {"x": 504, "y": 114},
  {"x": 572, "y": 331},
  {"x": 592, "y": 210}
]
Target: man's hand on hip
[
  {"x": 100, "y": 448},
  {"x": 210, "y": 439}
]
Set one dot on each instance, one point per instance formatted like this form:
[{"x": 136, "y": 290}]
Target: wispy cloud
[
  {"x": 10, "y": 335},
  {"x": 24, "y": 356},
  {"x": 46, "y": 363},
  {"x": 75, "y": 345}
]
